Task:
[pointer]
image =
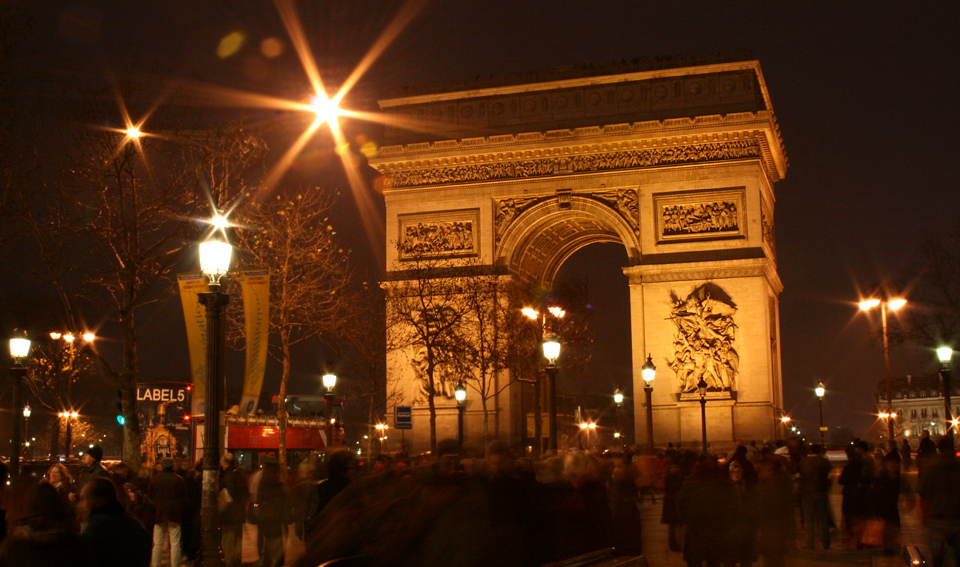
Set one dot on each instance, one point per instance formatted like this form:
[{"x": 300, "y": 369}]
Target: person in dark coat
[
  {"x": 672, "y": 481},
  {"x": 906, "y": 455},
  {"x": 59, "y": 478},
  {"x": 926, "y": 452},
  {"x": 740, "y": 457},
  {"x": 139, "y": 506},
  {"x": 940, "y": 493},
  {"x": 45, "y": 536},
  {"x": 233, "y": 499},
  {"x": 169, "y": 494},
  {"x": 115, "y": 538},
  {"x": 815, "y": 495},
  {"x": 775, "y": 510},
  {"x": 341, "y": 469},
  {"x": 91, "y": 466},
  {"x": 740, "y": 539},
  {"x": 702, "y": 503},
  {"x": 887, "y": 488},
  {"x": 272, "y": 513},
  {"x": 625, "y": 519}
]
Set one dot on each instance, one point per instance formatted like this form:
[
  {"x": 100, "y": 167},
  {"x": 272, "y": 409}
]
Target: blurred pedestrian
[
  {"x": 814, "y": 492},
  {"x": 59, "y": 478},
  {"x": 139, "y": 506},
  {"x": 888, "y": 486},
  {"x": 672, "y": 481},
  {"x": 232, "y": 502},
  {"x": 940, "y": 491},
  {"x": 45, "y": 535},
  {"x": 702, "y": 503},
  {"x": 342, "y": 468},
  {"x": 926, "y": 452},
  {"x": 169, "y": 493},
  {"x": 906, "y": 455},
  {"x": 115, "y": 538},
  {"x": 775, "y": 510},
  {"x": 271, "y": 513},
  {"x": 740, "y": 539},
  {"x": 622, "y": 490}
]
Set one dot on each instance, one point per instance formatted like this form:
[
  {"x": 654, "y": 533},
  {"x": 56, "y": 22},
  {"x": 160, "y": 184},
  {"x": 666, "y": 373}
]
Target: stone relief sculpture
[
  {"x": 629, "y": 207},
  {"x": 438, "y": 237},
  {"x": 445, "y": 385},
  {"x": 718, "y": 216},
  {"x": 769, "y": 236},
  {"x": 703, "y": 345},
  {"x": 602, "y": 161},
  {"x": 507, "y": 209}
]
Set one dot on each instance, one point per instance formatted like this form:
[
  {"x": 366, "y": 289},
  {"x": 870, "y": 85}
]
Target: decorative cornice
[{"x": 585, "y": 163}]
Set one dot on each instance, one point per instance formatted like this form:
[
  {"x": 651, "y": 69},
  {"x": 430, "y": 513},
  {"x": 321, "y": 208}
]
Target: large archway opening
[{"x": 596, "y": 273}]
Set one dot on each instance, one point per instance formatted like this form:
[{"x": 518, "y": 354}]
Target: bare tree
[
  {"x": 290, "y": 235},
  {"x": 934, "y": 315},
  {"x": 425, "y": 311}
]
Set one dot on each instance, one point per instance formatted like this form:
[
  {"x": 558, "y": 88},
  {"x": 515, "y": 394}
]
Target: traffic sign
[{"x": 403, "y": 418}]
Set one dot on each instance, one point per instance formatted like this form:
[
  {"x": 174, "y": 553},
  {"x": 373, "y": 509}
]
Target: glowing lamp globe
[
  {"x": 19, "y": 348},
  {"x": 648, "y": 370},
  {"x": 618, "y": 396},
  {"x": 215, "y": 258},
  {"x": 460, "y": 392},
  {"x": 551, "y": 349},
  {"x": 329, "y": 381},
  {"x": 945, "y": 353}
]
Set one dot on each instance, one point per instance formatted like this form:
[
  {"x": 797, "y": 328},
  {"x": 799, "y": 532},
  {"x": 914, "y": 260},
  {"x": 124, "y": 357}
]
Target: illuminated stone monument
[{"x": 675, "y": 164}]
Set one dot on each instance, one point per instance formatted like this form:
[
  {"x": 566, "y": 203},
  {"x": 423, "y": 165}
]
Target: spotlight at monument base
[{"x": 895, "y": 304}]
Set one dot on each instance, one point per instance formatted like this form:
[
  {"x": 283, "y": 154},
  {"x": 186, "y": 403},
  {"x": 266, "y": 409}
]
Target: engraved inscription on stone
[
  {"x": 704, "y": 339},
  {"x": 448, "y": 236},
  {"x": 603, "y": 161}
]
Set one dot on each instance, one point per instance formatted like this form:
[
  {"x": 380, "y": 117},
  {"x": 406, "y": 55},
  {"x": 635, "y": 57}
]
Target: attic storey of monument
[{"x": 676, "y": 165}]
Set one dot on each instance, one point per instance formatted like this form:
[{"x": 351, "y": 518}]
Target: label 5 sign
[{"x": 161, "y": 394}]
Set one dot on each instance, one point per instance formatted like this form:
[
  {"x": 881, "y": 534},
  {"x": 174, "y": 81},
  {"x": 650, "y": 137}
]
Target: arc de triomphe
[{"x": 677, "y": 165}]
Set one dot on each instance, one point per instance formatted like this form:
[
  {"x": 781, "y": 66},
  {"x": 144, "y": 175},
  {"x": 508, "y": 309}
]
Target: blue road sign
[{"x": 403, "y": 417}]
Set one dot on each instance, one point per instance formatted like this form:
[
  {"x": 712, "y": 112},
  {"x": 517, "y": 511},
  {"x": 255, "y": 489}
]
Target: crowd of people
[{"x": 452, "y": 508}]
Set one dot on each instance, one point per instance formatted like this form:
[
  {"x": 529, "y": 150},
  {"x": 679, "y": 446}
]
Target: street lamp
[
  {"x": 26, "y": 426},
  {"x": 702, "y": 389},
  {"x": 215, "y": 258},
  {"x": 945, "y": 353},
  {"x": 19, "y": 349},
  {"x": 551, "y": 351},
  {"x": 460, "y": 392},
  {"x": 820, "y": 390},
  {"x": 329, "y": 381},
  {"x": 892, "y": 305},
  {"x": 618, "y": 399},
  {"x": 649, "y": 372}
]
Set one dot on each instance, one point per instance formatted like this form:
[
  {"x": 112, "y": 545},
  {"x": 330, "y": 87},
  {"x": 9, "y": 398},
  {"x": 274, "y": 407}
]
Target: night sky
[{"x": 866, "y": 95}]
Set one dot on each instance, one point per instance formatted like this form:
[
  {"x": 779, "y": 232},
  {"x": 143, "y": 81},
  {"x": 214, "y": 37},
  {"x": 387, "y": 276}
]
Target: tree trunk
[
  {"x": 128, "y": 391},
  {"x": 282, "y": 400},
  {"x": 486, "y": 424},
  {"x": 432, "y": 405}
]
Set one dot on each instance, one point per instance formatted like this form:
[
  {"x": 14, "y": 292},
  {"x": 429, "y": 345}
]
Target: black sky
[{"x": 866, "y": 95}]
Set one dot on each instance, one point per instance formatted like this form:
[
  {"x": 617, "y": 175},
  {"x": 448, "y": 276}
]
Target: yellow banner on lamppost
[
  {"x": 255, "y": 286},
  {"x": 194, "y": 315}
]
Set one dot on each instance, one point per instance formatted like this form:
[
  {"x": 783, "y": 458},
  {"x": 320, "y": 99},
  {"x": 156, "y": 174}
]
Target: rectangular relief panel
[
  {"x": 444, "y": 234},
  {"x": 700, "y": 215}
]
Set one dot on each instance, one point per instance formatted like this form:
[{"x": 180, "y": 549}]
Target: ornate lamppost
[
  {"x": 329, "y": 381},
  {"x": 460, "y": 392},
  {"x": 649, "y": 372},
  {"x": 618, "y": 399},
  {"x": 820, "y": 390},
  {"x": 892, "y": 305},
  {"x": 26, "y": 430},
  {"x": 702, "y": 389},
  {"x": 215, "y": 258},
  {"x": 540, "y": 318},
  {"x": 19, "y": 349},
  {"x": 551, "y": 351},
  {"x": 945, "y": 354}
]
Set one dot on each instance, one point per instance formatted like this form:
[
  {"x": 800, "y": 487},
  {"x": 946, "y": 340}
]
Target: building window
[
  {"x": 913, "y": 414},
  {"x": 923, "y": 413},
  {"x": 935, "y": 414},
  {"x": 911, "y": 394},
  {"x": 898, "y": 396}
]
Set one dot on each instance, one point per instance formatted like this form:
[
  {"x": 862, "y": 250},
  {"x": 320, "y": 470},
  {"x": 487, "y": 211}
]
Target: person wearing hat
[
  {"x": 91, "y": 466},
  {"x": 168, "y": 492}
]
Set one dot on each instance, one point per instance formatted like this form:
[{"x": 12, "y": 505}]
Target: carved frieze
[
  {"x": 703, "y": 345},
  {"x": 625, "y": 202},
  {"x": 713, "y": 214},
  {"x": 602, "y": 161},
  {"x": 441, "y": 234},
  {"x": 769, "y": 236}
]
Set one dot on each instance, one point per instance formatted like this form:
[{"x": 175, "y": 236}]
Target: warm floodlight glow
[
  {"x": 74, "y": 414},
  {"x": 215, "y": 259},
  {"x": 133, "y": 132},
  {"x": 551, "y": 349},
  {"x": 219, "y": 222},
  {"x": 557, "y": 312},
  {"x": 592, "y": 425},
  {"x": 69, "y": 337},
  {"x": 530, "y": 313},
  {"x": 329, "y": 380},
  {"x": 883, "y": 415},
  {"x": 869, "y": 304},
  {"x": 583, "y": 425},
  {"x": 945, "y": 353},
  {"x": 88, "y": 337},
  {"x": 618, "y": 396},
  {"x": 616, "y": 435},
  {"x": 460, "y": 392},
  {"x": 785, "y": 419},
  {"x": 325, "y": 109},
  {"x": 55, "y": 335},
  {"x": 895, "y": 304},
  {"x": 648, "y": 370}
]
